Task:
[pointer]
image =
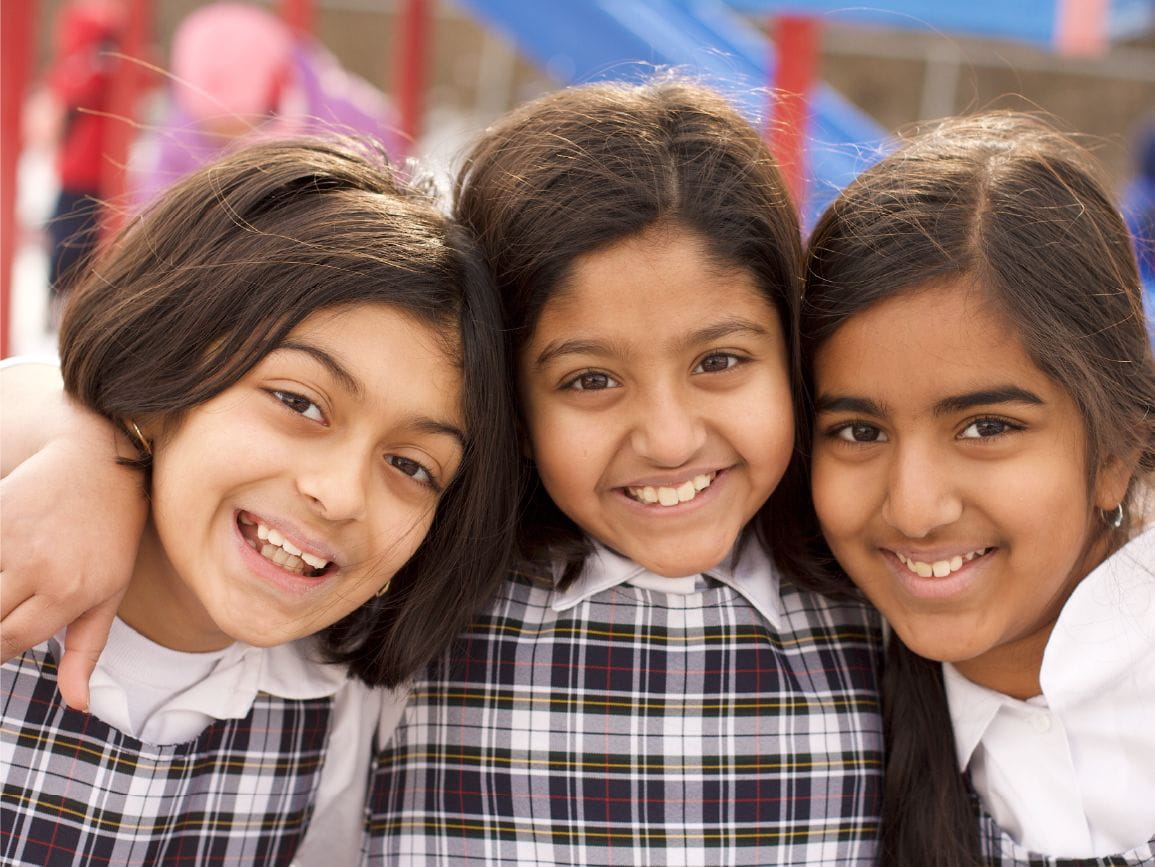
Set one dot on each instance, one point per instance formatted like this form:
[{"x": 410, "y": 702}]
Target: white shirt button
[{"x": 1041, "y": 722}]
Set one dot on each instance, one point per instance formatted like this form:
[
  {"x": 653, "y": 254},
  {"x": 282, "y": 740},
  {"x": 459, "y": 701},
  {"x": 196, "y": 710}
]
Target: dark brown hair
[
  {"x": 1010, "y": 205},
  {"x": 219, "y": 271},
  {"x": 582, "y": 168}
]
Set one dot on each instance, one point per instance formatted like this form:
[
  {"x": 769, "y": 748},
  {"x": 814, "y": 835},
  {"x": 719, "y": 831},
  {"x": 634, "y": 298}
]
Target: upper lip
[
  {"x": 671, "y": 481},
  {"x": 936, "y": 555},
  {"x": 307, "y": 542}
]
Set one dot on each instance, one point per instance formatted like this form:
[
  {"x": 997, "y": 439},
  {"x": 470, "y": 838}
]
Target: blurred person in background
[
  {"x": 238, "y": 70},
  {"x": 70, "y": 112}
]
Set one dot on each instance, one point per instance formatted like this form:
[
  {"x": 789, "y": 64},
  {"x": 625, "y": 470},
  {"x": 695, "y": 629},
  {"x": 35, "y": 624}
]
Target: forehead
[
  {"x": 923, "y": 343},
  {"x": 399, "y": 362},
  {"x": 657, "y": 285}
]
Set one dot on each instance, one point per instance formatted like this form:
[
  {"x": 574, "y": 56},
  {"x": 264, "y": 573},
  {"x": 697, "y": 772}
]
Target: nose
[
  {"x": 922, "y": 493},
  {"x": 336, "y": 484},
  {"x": 669, "y": 428}
]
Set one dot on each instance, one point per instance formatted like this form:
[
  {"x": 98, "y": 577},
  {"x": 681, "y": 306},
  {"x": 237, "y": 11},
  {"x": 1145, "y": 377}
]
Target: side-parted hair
[
  {"x": 585, "y": 167},
  {"x": 1017, "y": 209},
  {"x": 224, "y": 265}
]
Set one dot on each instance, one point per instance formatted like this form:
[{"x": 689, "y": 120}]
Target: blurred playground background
[{"x": 109, "y": 100}]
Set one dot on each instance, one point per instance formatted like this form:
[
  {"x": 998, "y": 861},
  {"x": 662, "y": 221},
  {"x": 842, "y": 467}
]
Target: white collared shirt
[
  {"x": 203, "y": 687},
  {"x": 1071, "y": 772},
  {"x": 749, "y": 572}
]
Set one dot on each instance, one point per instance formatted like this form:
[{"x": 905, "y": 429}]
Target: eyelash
[
  {"x": 733, "y": 357},
  {"x": 837, "y": 432},
  {"x": 574, "y": 383},
  {"x": 429, "y": 481},
  {"x": 1007, "y": 425},
  {"x": 845, "y": 430},
  {"x": 293, "y": 401}
]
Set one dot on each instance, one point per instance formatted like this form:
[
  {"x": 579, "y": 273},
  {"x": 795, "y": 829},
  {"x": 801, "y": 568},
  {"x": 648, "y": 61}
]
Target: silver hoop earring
[{"x": 1114, "y": 518}]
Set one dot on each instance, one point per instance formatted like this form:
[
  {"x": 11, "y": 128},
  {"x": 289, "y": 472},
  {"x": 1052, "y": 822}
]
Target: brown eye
[
  {"x": 717, "y": 363},
  {"x": 591, "y": 380},
  {"x": 860, "y": 433}
]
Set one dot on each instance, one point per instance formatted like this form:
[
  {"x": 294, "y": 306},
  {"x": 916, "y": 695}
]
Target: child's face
[
  {"x": 657, "y": 395},
  {"x": 950, "y": 479},
  {"x": 334, "y": 446}
]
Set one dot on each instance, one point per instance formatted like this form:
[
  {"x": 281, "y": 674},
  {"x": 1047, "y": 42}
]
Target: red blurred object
[
  {"x": 796, "y": 45},
  {"x": 17, "y": 22},
  {"x": 130, "y": 78},
  {"x": 298, "y": 14},
  {"x": 412, "y": 48}
]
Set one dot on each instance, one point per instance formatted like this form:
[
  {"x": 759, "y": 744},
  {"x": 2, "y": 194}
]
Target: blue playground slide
[{"x": 589, "y": 40}]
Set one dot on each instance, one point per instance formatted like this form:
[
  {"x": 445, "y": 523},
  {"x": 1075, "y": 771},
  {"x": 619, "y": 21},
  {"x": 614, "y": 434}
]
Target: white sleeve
[{"x": 335, "y": 832}]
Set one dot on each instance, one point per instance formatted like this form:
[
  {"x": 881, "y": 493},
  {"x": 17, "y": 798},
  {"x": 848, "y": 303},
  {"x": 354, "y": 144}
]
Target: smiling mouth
[
  {"x": 271, "y": 544},
  {"x": 940, "y": 568},
  {"x": 672, "y": 496}
]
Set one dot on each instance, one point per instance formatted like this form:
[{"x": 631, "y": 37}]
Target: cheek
[{"x": 826, "y": 487}]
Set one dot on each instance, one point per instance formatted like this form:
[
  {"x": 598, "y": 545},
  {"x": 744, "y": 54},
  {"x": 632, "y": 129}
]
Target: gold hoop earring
[
  {"x": 140, "y": 438},
  {"x": 381, "y": 592}
]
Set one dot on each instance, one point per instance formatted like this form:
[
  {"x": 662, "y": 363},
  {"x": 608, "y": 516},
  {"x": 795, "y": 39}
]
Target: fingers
[
  {"x": 31, "y": 621},
  {"x": 83, "y": 644}
]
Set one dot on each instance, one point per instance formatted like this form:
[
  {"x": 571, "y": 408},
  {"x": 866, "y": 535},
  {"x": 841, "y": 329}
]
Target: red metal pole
[
  {"x": 128, "y": 81},
  {"x": 17, "y": 29},
  {"x": 411, "y": 49},
  {"x": 298, "y": 14},
  {"x": 797, "y": 61}
]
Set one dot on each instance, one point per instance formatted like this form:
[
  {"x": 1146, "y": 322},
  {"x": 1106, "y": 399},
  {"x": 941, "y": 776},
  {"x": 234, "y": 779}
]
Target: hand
[{"x": 72, "y": 521}]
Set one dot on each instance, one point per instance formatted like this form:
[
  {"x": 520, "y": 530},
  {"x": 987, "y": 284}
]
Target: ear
[{"x": 1113, "y": 479}]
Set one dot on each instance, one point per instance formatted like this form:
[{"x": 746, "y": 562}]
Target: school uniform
[
  {"x": 220, "y": 758},
  {"x": 1068, "y": 777},
  {"x": 635, "y": 719}
]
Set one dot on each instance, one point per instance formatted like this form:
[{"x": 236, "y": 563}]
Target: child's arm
[{"x": 72, "y": 518}]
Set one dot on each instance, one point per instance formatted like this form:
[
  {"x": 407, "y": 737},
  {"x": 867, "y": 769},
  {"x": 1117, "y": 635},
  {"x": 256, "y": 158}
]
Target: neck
[
  {"x": 1014, "y": 670},
  {"x": 161, "y": 607}
]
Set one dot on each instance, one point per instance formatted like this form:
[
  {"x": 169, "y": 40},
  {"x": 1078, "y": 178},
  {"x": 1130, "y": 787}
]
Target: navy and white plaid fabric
[
  {"x": 999, "y": 850},
  {"x": 78, "y": 792},
  {"x": 640, "y": 728}
]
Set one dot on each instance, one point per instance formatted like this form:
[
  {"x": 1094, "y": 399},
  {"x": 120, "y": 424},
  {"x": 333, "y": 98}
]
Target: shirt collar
[
  {"x": 1105, "y": 629},
  {"x": 1102, "y": 637},
  {"x": 972, "y": 709},
  {"x": 747, "y": 569},
  {"x": 228, "y": 690}
]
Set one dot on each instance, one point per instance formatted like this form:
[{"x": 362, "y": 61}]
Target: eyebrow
[
  {"x": 955, "y": 403},
  {"x": 348, "y": 381},
  {"x": 709, "y": 333},
  {"x": 419, "y": 424},
  {"x": 426, "y": 425}
]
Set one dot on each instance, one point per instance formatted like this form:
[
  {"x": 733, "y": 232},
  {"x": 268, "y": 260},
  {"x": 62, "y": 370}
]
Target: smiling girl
[
  {"x": 984, "y": 438},
  {"x": 300, "y": 351},
  {"x": 648, "y": 688}
]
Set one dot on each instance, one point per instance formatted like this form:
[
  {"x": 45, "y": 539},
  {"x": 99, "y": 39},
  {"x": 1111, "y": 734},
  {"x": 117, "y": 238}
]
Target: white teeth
[
  {"x": 315, "y": 562},
  {"x": 283, "y": 552},
  {"x": 940, "y": 568},
  {"x": 683, "y": 493}
]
